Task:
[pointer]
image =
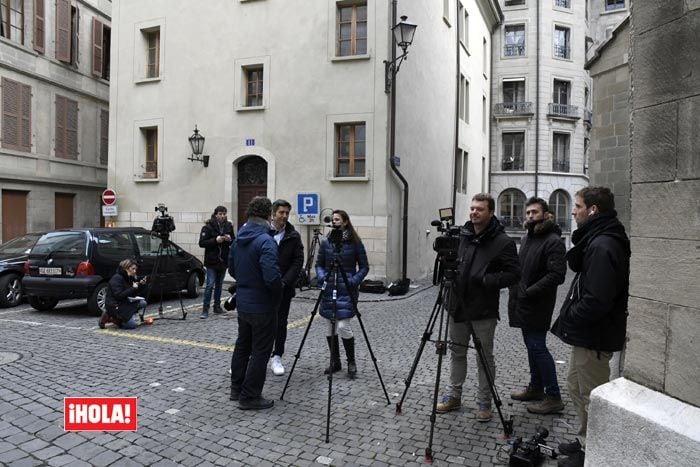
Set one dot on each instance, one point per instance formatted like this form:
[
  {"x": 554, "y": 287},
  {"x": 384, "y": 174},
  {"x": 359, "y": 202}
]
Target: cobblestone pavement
[{"x": 178, "y": 370}]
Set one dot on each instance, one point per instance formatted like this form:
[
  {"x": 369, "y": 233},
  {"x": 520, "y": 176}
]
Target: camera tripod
[
  {"x": 335, "y": 270},
  {"x": 165, "y": 248},
  {"x": 305, "y": 279},
  {"x": 447, "y": 300}
]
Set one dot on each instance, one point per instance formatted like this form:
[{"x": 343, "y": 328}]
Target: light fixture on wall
[
  {"x": 197, "y": 144},
  {"x": 403, "y": 35}
]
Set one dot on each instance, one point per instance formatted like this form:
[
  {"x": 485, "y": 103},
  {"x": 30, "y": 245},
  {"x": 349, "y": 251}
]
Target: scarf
[{"x": 601, "y": 224}]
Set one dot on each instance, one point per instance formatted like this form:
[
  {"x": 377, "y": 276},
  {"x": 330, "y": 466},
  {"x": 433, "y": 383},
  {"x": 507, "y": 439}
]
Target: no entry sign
[{"x": 109, "y": 197}]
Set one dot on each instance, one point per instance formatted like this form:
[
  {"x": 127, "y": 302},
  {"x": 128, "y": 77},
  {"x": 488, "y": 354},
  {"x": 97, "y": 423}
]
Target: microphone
[
  {"x": 436, "y": 223},
  {"x": 327, "y": 219}
]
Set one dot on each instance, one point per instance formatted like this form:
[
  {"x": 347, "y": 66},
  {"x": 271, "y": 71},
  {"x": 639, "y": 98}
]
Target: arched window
[
  {"x": 559, "y": 206},
  {"x": 511, "y": 208}
]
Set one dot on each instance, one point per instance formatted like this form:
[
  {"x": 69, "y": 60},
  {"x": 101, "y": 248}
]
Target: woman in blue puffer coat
[{"x": 352, "y": 256}]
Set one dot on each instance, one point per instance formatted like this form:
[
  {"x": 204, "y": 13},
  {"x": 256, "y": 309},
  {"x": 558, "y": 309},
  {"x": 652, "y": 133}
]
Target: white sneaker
[{"x": 276, "y": 365}]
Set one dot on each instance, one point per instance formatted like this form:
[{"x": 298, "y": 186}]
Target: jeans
[
  {"x": 131, "y": 322},
  {"x": 256, "y": 333},
  {"x": 215, "y": 281},
  {"x": 543, "y": 372},
  {"x": 281, "y": 329},
  {"x": 460, "y": 333}
]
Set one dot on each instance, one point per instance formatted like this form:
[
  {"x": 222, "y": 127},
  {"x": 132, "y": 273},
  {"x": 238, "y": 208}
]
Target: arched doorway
[{"x": 252, "y": 182}]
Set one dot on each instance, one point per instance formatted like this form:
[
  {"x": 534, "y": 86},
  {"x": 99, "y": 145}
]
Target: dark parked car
[
  {"x": 78, "y": 263},
  {"x": 13, "y": 254}
]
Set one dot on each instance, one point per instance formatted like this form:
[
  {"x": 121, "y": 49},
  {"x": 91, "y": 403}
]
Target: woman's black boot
[
  {"x": 349, "y": 345},
  {"x": 334, "y": 346}
]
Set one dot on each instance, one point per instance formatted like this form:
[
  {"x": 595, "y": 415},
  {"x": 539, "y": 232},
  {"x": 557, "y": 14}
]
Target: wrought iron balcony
[
  {"x": 563, "y": 110},
  {"x": 512, "y": 163},
  {"x": 562, "y": 51},
  {"x": 512, "y": 109},
  {"x": 513, "y": 50},
  {"x": 560, "y": 166}
]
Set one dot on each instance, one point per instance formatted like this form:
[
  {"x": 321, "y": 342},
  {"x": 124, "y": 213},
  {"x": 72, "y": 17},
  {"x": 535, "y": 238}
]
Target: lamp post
[
  {"x": 403, "y": 37},
  {"x": 197, "y": 145}
]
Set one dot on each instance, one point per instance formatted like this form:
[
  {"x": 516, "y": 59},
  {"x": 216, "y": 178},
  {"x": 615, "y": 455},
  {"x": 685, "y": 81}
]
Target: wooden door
[
  {"x": 252, "y": 182},
  {"x": 14, "y": 214},
  {"x": 63, "y": 210}
]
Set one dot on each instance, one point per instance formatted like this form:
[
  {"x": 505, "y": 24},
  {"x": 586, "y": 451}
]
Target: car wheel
[
  {"x": 43, "y": 303},
  {"x": 10, "y": 290},
  {"x": 96, "y": 302},
  {"x": 193, "y": 286}
]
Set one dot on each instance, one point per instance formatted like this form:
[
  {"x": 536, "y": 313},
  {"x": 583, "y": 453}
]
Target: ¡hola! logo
[{"x": 99, "y": 413}]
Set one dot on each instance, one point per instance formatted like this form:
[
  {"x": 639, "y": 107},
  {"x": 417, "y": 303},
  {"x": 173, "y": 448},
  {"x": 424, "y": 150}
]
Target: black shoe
[
  {"x": 349, "y": 345},
  {"x": 567, "y": 449},
  {"x": 574, "y": 460},
  {"x": 235, "y": 393},
  {"x": 352, "y": 370},
  {"x": 258, "y": 403},
  {"x": 218, "y": 310},
  {"x": 333, "y": 368},
  {"x": 334, "y": 347}
]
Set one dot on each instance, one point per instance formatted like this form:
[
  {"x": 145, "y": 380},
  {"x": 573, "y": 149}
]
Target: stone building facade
[{"x": 54, "y": 71}]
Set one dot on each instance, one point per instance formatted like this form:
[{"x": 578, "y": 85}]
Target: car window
[
  {"x": 20, "y": 245},
  {"x": 61, "y": 244},
  {"x": 148, "y": 245},
  {"x": 115, "y": 244}
]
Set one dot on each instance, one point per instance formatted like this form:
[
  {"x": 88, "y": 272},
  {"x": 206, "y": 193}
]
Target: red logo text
[{"x": 99, "y": 413}]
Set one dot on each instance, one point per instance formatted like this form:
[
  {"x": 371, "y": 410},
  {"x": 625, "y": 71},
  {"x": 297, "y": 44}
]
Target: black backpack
[{"x": 369, "y": 286}]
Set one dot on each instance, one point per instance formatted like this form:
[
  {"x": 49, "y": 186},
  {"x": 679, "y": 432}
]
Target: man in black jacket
[
  {"x": 593, "y": 318},
  {"x": 291, "y": 259},
  {"x": 531, "y": 302},
  {"x": 216, "y": 237},
  {"x": 488, "y": 263}
]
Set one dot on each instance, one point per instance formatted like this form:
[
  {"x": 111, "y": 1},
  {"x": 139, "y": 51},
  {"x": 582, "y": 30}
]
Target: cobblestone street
[{"x": 179, "y": 372}]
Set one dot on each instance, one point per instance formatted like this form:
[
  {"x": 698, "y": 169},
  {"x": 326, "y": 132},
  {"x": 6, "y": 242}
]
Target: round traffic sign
[{"x": 109, "y": 197}]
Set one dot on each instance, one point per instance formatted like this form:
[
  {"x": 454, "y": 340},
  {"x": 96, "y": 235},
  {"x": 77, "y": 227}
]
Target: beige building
[
  {"x": 54, "y": 72},
  {"x": 293, "y": 101}
]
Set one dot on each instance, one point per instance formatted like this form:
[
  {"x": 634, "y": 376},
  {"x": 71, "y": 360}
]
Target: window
[
  {"x": 148, "y": 245},
  {"x": 446, "y": 11},
  {"x": 614, "y": 5},
  {"x": 67, "y": 32},
  {"x": 352, "y": 30},
  {"x": 562, "y": 4},
  {"x": 463, "y": 24},
  {"x": 104, "y": 136},
  {"x": 560, "y": 155},
  {"x": 16, "y": 115},
  {"x": 513, "y": 151},
  {"x": 484, "y": 114},
  {"x": 152, "y": 53},
  {"x": 513, "y": 92},
  {"x": 562, "y": 42},
  {"x": 515, "y": 2},
  {"x": 115, "y": 245},
  {"x": 561, "y": 92},
  {"x": 254, "y": 86},
  {"x": 512, "y": 205},
  {"x": 350, "y": 150},
  {"x": 12, "y": 20},
  {"x": 101, "y": 41},
  {"x": 461, "y": 170},
  {"x": 150, "y": 136},
  {"x": 514, "y": 41},
  {"x": 485, "y": 51},
  {"x": 66, "y": 128},
  {"x": 464, "y": 99},
  {"x": 559, "y": 206},
  {"x": 39, "y": 26}
]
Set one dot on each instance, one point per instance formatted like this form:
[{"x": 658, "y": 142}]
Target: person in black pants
[
  {"x": 291, "y": 259},
  {"x": 216, "y": 237},
  {"x": 253, "y": 263}
]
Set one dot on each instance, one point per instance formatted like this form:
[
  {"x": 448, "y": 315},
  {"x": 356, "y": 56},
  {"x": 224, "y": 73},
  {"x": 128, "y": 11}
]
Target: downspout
[
  {"x": 457, "y": 79},
  {"x": 537, "y": 105},
  {"x": 392, "y": 148}
]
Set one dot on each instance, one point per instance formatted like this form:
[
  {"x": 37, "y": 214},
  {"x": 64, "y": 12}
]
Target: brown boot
[
  {"x": 104, "y": 319},
  {"x": 550, "y": 404},
  {"x": 529, "y": 394}
]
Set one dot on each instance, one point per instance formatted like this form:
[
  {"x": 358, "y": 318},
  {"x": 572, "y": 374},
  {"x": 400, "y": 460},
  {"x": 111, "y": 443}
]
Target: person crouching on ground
[
  {"x": 353, "y": 258},
  {"x": 122, "y": 307}
]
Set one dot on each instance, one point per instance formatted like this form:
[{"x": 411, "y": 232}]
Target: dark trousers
[
  {"x": 281, "y": 329},
  {"x": 543, "y": 373},
  {"x": 256, "y": 332}
]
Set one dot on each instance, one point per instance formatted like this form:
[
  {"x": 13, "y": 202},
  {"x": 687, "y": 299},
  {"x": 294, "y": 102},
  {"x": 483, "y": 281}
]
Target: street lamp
[
  {"x": 197, "y": 144},
  {"x": 403, "y": 35}
]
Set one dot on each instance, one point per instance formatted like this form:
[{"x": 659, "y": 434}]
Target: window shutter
[
  {"x": 76, "y": 35},
  {"x": 71, "y": 129},
  {"x": 10, "y": 113},
  {"x": 104, "y": 136},
  {"x": 96, "y": 47},
  {"x": 26, "y": 119},
  {"x": 60, "y": 126},
  {"x": 63, "y": 31},
  {"x": 39, "y": 26}
]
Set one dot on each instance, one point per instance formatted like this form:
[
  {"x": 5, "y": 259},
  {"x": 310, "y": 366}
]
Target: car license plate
[{"x": 50, "y": 271}]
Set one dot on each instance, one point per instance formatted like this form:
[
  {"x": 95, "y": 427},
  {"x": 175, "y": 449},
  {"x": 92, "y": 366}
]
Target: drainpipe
[
  {"x": 537, "y": 105},
  {"x": 392, "y": 149},
  {"x": 457, "y": 79}
]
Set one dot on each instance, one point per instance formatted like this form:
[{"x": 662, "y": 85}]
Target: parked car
[
  {"x": 78, "y": 263},
  {"x": 13, "y": 254}
]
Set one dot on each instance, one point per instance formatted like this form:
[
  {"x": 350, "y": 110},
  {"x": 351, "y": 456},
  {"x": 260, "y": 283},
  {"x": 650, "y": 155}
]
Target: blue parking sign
[{"x": 308, "y": 208}]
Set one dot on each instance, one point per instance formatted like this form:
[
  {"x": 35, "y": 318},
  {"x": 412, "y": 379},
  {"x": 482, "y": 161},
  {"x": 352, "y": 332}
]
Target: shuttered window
[
  {"x": 63, "y": 30},
  {"x": 104, "y": 136},
  {"x": 66, "y": 128},
  {"x": 97, "y": 47},
  {"x": 16, "y": 115},
  {"x": 39, "y": 26},
  {"x": 12, "y": 20}
]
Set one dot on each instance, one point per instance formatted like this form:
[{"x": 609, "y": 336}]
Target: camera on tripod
[
  {"x": 446, "y": 245},
  {"x": 532, "y": 452},
  {"x": 163, "y": 224},
  {"x": 335, "y": 236}
]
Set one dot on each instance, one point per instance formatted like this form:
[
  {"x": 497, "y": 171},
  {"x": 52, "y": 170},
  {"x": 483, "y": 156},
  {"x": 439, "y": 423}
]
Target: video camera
[
  {"x": 447, "y": 244},
  {"x": 335, "y": 236},
  {"x": 163, "y": 224},
  {"x": 531, "y": 453}
]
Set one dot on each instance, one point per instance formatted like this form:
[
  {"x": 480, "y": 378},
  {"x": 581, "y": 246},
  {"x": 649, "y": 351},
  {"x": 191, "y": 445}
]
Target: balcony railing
[
  {"x": 512, "y": 222},
  {"x": 562, "y": 3},
  {"x": 562, "y": 51},
  {"x": 587, "y": 117},
  {"x": 560, "y": 166},
  {"x": 513, "y": 50},
  {"x": 563, "y": 110},
  {"x": 513, "y": 164},
  {"x": 507, "y": 109}
]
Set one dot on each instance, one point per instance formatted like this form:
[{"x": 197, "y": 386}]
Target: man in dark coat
[
  {"x": 253, "y": 263},
  {"x": 593, "y": 318},
  {"x": 531, "y": 302},
  {"x": 216, "y": 237},
  {"x": 488, "y": 262},
  {"x": 290, "y": 251}
]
